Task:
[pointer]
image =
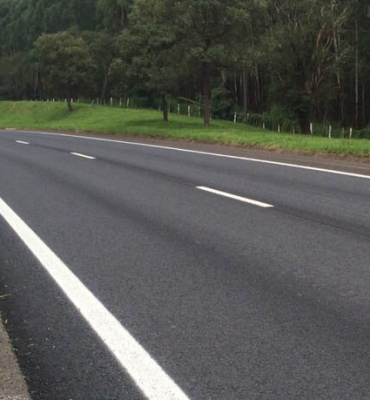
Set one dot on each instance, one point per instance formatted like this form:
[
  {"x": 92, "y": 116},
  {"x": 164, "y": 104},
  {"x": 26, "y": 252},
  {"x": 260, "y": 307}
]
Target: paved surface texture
[
  {"x": 12, "y": 383},
  {"x": 233, "y": 301}
]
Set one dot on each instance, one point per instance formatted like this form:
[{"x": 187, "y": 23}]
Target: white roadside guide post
[
  {"x": 279, "y": 129},
  {"x": 311, "y": 128},
  {"x": 350, "y": 133},
  {"x": 263, "y": 125},
  {"x": 235, "y": 117},
  {"x": 189, "y": 111},
  {"x": 329, "y": 131}
]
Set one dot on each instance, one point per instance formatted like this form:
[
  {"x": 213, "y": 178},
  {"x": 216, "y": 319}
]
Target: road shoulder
[
  {"x": 12, "y": 382},
  {"x": 338, "y": 162}
]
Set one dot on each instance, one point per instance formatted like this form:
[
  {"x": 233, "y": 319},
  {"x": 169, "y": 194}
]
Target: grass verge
[{"x": 113, "y": 120}]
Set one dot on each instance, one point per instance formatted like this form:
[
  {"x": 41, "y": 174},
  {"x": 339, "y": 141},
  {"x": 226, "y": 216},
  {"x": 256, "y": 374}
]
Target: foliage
[
  {"x": 17, "y": 79},
  {"x": 309, "y": 57},
  {"x": 114, "y": 14},
  {"x": 103, "y": 48},
  {"x": 149, "y": 49},
  {"x": 303, "y": 49},
  {"x": 64, "y": 62},
  {"x": 208, "y": 31},
  {"x": 222, "y": 103},
  {"x": 280, "y": 116}
]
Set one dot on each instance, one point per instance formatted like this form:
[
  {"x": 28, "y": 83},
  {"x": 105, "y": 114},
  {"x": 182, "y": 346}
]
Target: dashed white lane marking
[
  {"x": 282, "y": 164},
  {"x": 152, "y": 380},
  {"x": 21, "y": 142},
  {"x": 239, "y": 198},
  {"x": 83, "y": 156}
]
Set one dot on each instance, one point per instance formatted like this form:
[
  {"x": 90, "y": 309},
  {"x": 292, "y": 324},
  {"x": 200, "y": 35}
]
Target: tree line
[{"x": 295, "y": 61}]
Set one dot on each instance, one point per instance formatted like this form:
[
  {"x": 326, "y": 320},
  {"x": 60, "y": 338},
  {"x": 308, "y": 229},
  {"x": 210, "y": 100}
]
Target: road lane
[
  {"x": 154, "y": 383},
  {"x": 233, "y": 197},
  {"x": 338, "y": 168},
  {"x": 59, "y": 353},
  {"x": 82, "y": 155},
  {"x": 316, "y": 195},
  {"x": 233, "y": 301}
]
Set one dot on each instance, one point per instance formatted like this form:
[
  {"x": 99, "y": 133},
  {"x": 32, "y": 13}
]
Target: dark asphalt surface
[{"x": 232, "y": 300}]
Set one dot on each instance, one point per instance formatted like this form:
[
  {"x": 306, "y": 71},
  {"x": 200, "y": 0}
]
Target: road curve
[{"x": 239, "y": 279}]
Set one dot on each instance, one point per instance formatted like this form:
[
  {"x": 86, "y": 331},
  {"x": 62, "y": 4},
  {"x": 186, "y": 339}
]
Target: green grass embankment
[{"x": 113, "y": 120}]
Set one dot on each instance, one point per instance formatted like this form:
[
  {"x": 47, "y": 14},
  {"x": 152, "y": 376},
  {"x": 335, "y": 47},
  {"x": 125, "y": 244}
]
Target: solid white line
[
  {"x": 20, "y": 142},
  {"x": 239, "y": 198},
  {"x": 154, "y": 383},
  {"x": 297, "y": 166},
  {"x": 83, "y": 156}
]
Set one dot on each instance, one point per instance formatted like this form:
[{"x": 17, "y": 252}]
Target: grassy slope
[{"x": 85, "y": 118}]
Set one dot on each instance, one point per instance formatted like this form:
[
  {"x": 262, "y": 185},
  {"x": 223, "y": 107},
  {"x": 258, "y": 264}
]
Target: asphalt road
[{"x": 231, "y": 300}]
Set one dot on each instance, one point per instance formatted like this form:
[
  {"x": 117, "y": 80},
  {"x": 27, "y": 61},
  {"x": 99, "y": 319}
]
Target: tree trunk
[
  {"x": 236, "y": 92},
  {"x": 124, "y": 18},
  {"x": 36, "y": 82},
  {"x": 165, "y": 107},
  {"x": 69, "y": 102},
  {"x": 104, "y": 88},
  {"x": 245, "y": 95},
  {"x": 258, "y": 88},
  {"x": 207, "y": 102},
  {"x": 336, "y": 42},
  {"x": 356, "y": 80},
  {"x": 304, "y": 122},
  {"x": 363, "y": 105}
]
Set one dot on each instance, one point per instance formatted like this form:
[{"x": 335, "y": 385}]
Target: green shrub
[{"x": 362, "y": 133}]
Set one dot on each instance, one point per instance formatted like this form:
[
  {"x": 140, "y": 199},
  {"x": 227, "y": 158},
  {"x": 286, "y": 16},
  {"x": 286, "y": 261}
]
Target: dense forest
[{"x": 292, "y": 61}]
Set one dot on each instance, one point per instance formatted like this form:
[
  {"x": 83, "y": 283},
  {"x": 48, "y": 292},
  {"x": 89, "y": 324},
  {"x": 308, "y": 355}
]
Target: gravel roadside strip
[{"x": 12, "y": 382}]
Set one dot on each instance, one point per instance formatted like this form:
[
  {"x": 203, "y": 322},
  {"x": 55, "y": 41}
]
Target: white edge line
[
  {"x": 305, "y": 167},
  {"x": 83, "y": 156},
  {"x": 21, "y": 142},
  {"x": 234, "y": 197},
  {"x": 154, "y": 383}
]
